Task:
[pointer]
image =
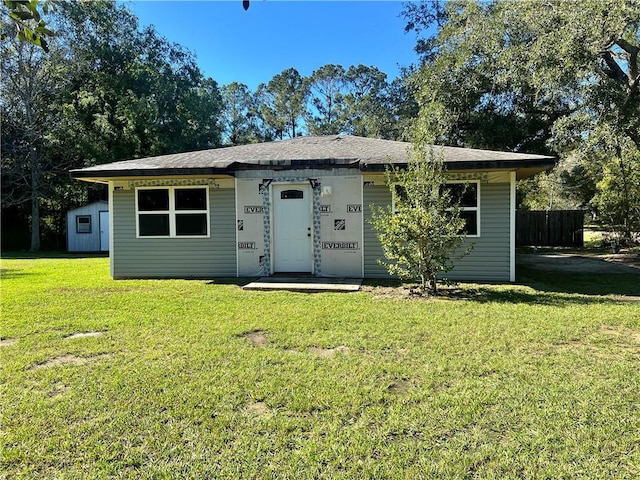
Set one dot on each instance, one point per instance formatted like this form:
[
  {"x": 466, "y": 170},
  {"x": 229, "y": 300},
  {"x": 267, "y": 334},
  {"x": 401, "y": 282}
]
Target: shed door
[
  {"x": 104, "y": 231},
  {"x": 292, "y": 223}
]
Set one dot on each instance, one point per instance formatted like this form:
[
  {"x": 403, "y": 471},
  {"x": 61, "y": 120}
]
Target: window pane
[
  {"x": 191, "y": 199},
  {"x": 83, "y": 224},
  {"x": 470, "y": 195},
  {"x": 150, "y": 200},
  {"x": 191, "y": 224},
  {"x": 471, "y": 222},
  {"x": 291, "y": 194},
  {"x": 463, "y": 194},
  {"x": 400, "y": 193},
  {"x": 154, "y": 225}
]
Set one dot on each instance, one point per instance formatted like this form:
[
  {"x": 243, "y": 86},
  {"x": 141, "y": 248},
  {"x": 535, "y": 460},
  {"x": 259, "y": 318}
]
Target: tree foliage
[
  {"x": 240, "y": 115},
  {"x": 369, "y": 103},
  {"x": 535, "y": 76},
  {"x": 108, "y": 90},
  {"x": 325, "y": 86},
  {"x": 283, "y": 103},
  {"x": 421, "y": 234},
  {"x": 28, "y": 21},
  {"x": 105, "y": 91}
]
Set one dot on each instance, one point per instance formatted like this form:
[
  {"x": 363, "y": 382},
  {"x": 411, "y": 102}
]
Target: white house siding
[
  {"x": 86, "y": 242},
  {"x": 337, "y": 220},
  {"x": 489, "y": 259},
  {"x": 174, "y": 257}
]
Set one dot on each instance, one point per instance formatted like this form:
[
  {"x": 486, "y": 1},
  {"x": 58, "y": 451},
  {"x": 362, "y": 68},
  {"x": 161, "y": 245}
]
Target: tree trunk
[
  {"x": 626, "y": 201},
  {"x": 35, "y": 200}
]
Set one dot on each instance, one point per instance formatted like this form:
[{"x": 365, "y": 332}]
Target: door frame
[
  {"x": 306, "y": 187},
  {"x": 100, "y": 216}
]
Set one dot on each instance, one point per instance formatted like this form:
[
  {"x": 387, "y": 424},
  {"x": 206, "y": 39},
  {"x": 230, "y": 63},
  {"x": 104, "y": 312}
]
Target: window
[
  {"x": 291, "y": 194},
  {"x": 466, "y": 195},
  {"x": 172, "y": 211},
  {"x": 83, "y": 223}
]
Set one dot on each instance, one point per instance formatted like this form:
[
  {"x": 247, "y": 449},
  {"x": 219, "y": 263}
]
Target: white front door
[
  {"x": 292, "y": 224},
  {"x": 104, "y": 231}
]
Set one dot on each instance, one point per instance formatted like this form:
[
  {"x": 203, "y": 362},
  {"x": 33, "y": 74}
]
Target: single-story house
[
  {"x": 88, "y": 228},
  {"x": 300, "y": 205}
]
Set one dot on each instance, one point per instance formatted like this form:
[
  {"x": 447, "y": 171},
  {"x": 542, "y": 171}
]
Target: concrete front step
[{"x": 305, "y": 284}]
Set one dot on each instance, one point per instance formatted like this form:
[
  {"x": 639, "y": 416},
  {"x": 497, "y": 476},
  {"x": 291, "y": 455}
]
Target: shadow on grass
[
  {"x": 580, "y": 283},
  {"x": 17, "y": 255},
  {"x": 547, "y": 288},
  {"x": 558, "y": 289},
  {"x": 9, "y": 273}
]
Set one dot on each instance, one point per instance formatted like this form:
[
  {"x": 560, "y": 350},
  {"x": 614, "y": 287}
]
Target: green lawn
[{"x": 197, "y": 379}]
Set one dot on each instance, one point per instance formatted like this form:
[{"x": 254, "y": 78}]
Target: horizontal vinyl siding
[
  {"x": 379, "y": 196},
  {"x": 489, "y": 259},
  {"x": 175, "y": 257}
]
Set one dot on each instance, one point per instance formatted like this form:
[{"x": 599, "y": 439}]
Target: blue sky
[{"x": 252, "y": 46}]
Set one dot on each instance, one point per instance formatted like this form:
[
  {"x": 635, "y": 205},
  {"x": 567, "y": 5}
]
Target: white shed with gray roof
[{"x": 293, "y": 206}]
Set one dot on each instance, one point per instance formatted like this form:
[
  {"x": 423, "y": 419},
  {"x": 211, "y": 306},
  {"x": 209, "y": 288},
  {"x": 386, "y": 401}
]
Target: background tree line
[
  {"x": 553, "y": 77},
  {"x": 542, "y": 77},
  {"x": 107, "y": 90},
  {"x": 332, "y": 100}
]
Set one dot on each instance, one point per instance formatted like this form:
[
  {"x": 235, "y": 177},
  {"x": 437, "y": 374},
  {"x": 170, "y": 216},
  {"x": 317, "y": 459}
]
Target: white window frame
[
  {"x": 172, "y": 212},
  {"x": 462, "y": 209},
  {"x": 471, "y": 209},
  {"x": 79, "y": 230}
]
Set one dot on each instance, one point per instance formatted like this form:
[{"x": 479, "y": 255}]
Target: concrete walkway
[{"x": 305, "y": 284}]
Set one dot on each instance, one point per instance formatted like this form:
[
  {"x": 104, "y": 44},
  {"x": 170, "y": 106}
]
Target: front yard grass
[{"x": 198, "y": 379}]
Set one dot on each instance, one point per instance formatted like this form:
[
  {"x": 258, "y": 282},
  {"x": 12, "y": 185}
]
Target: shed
[
  {"x": 88, "y": 228},
  {"x": 293, "y": 206}
]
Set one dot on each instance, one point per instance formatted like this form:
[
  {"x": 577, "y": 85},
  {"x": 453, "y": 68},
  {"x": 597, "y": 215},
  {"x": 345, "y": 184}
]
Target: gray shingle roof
[{"x": 368, "y": 154}]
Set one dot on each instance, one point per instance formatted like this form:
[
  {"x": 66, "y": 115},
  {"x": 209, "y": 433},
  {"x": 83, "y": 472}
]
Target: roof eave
[
  {"x": 101, "y": 175},
  {"x": 527, "y": 167}
]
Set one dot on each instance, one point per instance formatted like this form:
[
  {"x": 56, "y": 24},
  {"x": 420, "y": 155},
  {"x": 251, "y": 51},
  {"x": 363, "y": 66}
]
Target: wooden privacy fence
[{"x": 552, "y": 228}]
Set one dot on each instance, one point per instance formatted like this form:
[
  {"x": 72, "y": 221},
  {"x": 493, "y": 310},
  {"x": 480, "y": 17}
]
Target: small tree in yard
[{"x": 422, "y": 232}]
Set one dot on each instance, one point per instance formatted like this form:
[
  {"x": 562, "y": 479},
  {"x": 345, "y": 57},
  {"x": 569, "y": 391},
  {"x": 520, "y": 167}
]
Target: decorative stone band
[
  {"x": 483, "y": 177},
  {"x": 174, "y": 182},
  {"x": 316, "y": 188}
]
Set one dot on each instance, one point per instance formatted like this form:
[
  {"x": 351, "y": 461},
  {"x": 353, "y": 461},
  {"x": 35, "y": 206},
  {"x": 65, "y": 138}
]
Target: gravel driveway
[{"x": 566, "y": 262}]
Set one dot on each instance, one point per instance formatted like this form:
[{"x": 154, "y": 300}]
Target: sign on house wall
[
  {"x": 249, "y": 227},
  {"x": 337, "y": 241},
  {"x": 341, "y": 226}
]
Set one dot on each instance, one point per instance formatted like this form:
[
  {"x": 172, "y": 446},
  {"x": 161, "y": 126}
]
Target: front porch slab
[{"x": 305, "y": 284}]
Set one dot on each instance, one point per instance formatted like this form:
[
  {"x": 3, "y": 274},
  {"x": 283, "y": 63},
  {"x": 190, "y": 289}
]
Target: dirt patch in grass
[
  {"x": 327, "y": 352},
  {"x": 620, "y": 340},
  {"x": 58, "y": 390},
  {"x": 258, "y": 338},
  {"x": 400, "y": 292},
  {"x": 7, "y": 342},
  {"x": 257, "y": 409},
  {"x": 400, "y": 387},
  {"x": 631, "y": 336},
  {"x": 67, "y": 360},
  {"x": 83, "y": 335}
]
